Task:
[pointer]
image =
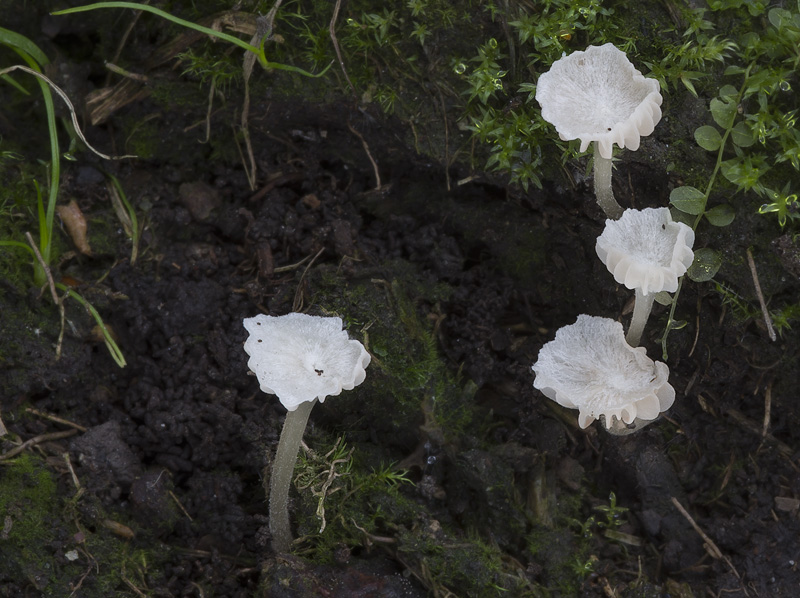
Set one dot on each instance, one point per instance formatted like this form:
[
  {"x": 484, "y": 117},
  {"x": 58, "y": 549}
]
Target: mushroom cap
[
  {"x": 590, "y": 367},
  {"x": 301, "y": 358},
  {"x": 598, "y": 95},
  {"x": 646, "y": 249}
]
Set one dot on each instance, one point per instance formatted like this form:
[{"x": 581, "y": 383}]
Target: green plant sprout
[
  {"x": 36, "y": 59},
  {"x": 42, "y": 256},
  {"x": 125, "y": 213},
  {"x": 108, "y": 338},
  {"x": 613, "y": 513},
  {"x": 784, "y": 204}
]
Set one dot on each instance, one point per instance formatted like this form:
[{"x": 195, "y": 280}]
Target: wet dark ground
[{"x": 166, "y": 466}]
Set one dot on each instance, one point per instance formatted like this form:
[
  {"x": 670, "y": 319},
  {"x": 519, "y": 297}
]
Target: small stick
[
  {"x": 446, "y": 142},
  {"x": 127, "y": 74},
  {"x": 73, "y": 113},
  {"x": 767, "y": 319},
  {"x": 710, "y": 546},
  {"x": 369, "y": 155},
  {"x": 36, "y": 440},
  {"x": 180, "y": 505},
  {"x": 298, "y": 300},
  {"x": 55, "y": 418},
  {"x": 767, "y": 410},
  {"x": 332, "y": 30},
  {"x": 75, "y": 479}
]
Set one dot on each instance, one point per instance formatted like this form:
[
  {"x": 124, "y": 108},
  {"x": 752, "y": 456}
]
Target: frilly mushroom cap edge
[
  {"x": 590, "y": 367},
  {"x": 300, "y": 358},
  {"x": 598, "y": 95}
]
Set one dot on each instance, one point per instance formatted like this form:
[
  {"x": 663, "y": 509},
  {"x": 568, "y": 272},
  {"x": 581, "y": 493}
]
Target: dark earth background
[{"x": 452, "y": 278}]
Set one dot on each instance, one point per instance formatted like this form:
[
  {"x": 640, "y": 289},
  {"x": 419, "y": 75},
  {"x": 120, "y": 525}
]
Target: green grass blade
[
  {"x": 20, "y": 42},
  {"x": 18, "y": 245},
  {"x": 34, "y": 57},
  {"x": 111, "y": 345},
  {"x": 169, "y": 17}
]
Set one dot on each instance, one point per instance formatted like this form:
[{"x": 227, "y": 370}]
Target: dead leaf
[{"x": 76, "y": 225}]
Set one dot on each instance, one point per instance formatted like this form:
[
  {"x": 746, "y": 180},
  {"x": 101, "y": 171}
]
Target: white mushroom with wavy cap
[
  {"x": 648, "y": 252},
  {"x": 598, "y": 95},
  {"x": 590, "y": 367},
  {"x": 301, "y": 359}
]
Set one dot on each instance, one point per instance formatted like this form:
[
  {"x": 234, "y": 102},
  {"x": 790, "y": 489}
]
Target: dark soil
[{"x": 159, "y": 491}]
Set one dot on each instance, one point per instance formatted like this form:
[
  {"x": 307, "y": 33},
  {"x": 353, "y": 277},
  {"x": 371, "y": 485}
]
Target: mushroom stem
[
  {"x": 641, "y": 311},
  {"x": 602, "y": 185},
  {"x": 282, "y": 470}
]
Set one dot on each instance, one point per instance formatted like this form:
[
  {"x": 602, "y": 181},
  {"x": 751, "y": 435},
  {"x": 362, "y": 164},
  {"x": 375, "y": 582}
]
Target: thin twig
[
  {"x": 73, "y": 114},
  {"x": 446, "y": 141},
  {"x": 180, "y": 505},
  {"x": 56, "y": 419},
  {"x": 369, "y": 155},
  {"x": 297, "y": 303},
  {"x": 753, "y": 427},
  {"x": 52, "y": 284},
  {"x": 767, "y": 318},
  {"x": 75, "y": 479},
  {"x": 36, "y": 440},
  {"x": 710, "y": 546},
  {"x": 332, "y": 30},
  {"x": 125, "y": 73},
  {"x": 767, "y": 410},
  {"x": 124, "y": 38}
]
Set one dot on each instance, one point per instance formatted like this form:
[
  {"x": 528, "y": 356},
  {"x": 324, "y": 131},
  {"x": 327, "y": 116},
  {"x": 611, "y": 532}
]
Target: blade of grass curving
[
  {"x": 23, "y": 46},
  {"x": 258, "y": 51},
  {"x": 15, "y": 40},
  {"x": 111, "y": 345},
  {"x": 165, "y": 15},
  {"x": 18, "y": 245},
  {"x": 125, "y": 213}
]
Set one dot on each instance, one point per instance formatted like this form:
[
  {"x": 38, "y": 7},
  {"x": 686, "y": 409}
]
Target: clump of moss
[
  {"x": 409, "y": 381},
  {"x": 29, "y": 507}
]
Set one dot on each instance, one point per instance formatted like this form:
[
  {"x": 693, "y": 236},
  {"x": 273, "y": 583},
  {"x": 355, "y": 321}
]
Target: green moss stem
[
  {"x": 602, "y": 185},
  {"x": 641, "y": 311},
  {"x": 281, "y": 476}
]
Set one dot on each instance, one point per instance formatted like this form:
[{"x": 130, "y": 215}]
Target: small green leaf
[
  {"x": 708, "y": 138},
  {"x": 742, "y": 135},
  {"x": 723, "y": 112},
  {"x": 721, "y": 215},
  {"x": 728, "y": 92},
  {"x": 676, "y": 324},
  {"x": 663, "y": 298},
  {"x": 734, "y": 70},
  {"x": 779, "y": 17},
  {"x": 688, "y": 199},
  {"x": 705, "y": 265}
]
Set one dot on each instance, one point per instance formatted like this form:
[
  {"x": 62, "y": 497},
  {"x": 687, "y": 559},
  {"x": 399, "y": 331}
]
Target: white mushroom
[
  {"x": 598, "y": 95},
  {"x": 647, "y": 251},
  {"x": 301, "y": 359},
  {"x": 590, "y": 367}
]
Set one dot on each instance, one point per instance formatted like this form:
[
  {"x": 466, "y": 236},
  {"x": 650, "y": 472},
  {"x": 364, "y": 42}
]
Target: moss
[
  {"x": 408, "y": 380},
  {"x": 28, "y": 508},
  {"x": 42, "y": 529},
  {"x": 560, "y": 556}
]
